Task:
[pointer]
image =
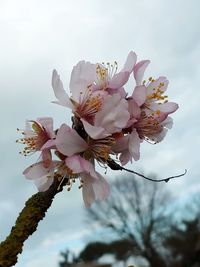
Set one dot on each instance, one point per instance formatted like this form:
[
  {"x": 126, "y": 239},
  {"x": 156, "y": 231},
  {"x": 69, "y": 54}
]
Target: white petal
[
  {"x": 139, "y": 70},
  {"x": 94, "y": 131},
  {"x": 43, "y": 183},
  {"x": 60, "y": 93},
  {"x": 69, "y": 142},
  {"x": 130, "y": 62}
]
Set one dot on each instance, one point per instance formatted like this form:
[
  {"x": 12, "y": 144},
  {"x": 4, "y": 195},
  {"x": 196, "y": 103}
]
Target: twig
[{"x": 114, "y": 166}]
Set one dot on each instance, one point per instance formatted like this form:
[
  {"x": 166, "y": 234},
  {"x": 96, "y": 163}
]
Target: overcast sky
[{"x": 38, "y": 36}]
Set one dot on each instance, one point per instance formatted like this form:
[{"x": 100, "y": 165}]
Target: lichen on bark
[{"x": 26, "y": 224}]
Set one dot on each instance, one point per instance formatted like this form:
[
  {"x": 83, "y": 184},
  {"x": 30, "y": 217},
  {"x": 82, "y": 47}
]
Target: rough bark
[{"x": 26, "y": 224}]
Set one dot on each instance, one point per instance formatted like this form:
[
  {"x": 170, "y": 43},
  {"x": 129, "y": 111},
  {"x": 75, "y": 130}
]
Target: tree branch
[{"x": 26, "y": 224}]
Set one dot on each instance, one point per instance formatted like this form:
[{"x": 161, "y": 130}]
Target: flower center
[
  {"x": 105, "y": 72},
  {"x": 100, "y": 149},
  {"x": 89, "y": 104},
  {"x": 34, "y": 138},
  {"x": 147, "y": 127},
  {"x": 157, "y": 94}
]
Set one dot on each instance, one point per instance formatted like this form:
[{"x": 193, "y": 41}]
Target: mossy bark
[{"x": 26, "y": 224}]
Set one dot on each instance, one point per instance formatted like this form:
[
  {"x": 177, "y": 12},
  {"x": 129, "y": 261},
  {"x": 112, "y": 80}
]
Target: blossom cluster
[{"x": 107, "y": 124}]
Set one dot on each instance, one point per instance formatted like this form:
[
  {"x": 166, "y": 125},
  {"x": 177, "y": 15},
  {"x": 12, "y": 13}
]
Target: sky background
[{"x": 38, "y": 36}]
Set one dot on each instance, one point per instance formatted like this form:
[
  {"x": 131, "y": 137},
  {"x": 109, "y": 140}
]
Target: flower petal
[
  {"x": 133, "y": 109},
  {"x": 60, "y": 93},
  {"x": 159, "y": 136},
  {"x": 80, "y": 165},
  {"x": 113, "y": 115},
  {"x": 88, "y": 194},
  {"x": 140, "y": 94},
  {"x": 168, "y": 107},
  {"x": 139, "y": 70},
  {"x": 125, "y": 157},
  {"x": 101, "y": 188},
  {"x": 156, "y": 83},
  {"x": 36, "y": 171},
  {"x": 69, "y": 142},
  {"x": 83, "y": 75},
  {"x": 43, "y": 183},
  {"x": 94, "y": 131},
  {"x": 121, "y": 144},
  {"x": 94, "y": 189},
  {"x": 119, "y": 80},
  {"x": 47, "y": 124},
  {"x": 134, "y": 145},
  {"x": 130, "y": 62},
  {"x": 167, "y": 123},
  {"x": 50, "y": 144}
]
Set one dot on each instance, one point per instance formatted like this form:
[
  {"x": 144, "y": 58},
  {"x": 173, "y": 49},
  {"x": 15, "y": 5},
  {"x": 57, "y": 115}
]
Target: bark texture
[{"x": 26, "y": 224}]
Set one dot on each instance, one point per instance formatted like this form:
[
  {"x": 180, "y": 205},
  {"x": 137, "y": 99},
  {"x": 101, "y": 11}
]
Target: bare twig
[{"x": 114, "y": 166}]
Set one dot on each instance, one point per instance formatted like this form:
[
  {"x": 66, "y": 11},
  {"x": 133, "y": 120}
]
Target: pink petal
[
  {"x": 130, "y": 62},
  {"x": 88, "y": 194},
  {"x": 125, "y": 157},
  {"x": 119, "y": 80},
  {"x": 47, "y": 158},
  {"x": 101, "y": 188},
  {"x": 160, "y": 136},
  {"x": 50, "y": 144},
  {"x": 120, "y": 91},
  {"x": 94, "y": 189},
  {"x": 79, "y": 165},
  {"x": 69, "y": 142},
  {"x": 168, "y": 107},
  {"x": 43, "y": 183},
  {"x": 113, "y": 115},
  {"x": 156, "y": 83},
  {"x": 83, "y": 74},
  {"x": 139, "y": 70},
  {"x": 47, "y": 124},
  {"x": 61, "y": 95},
  {"x": 134, "y": 109},
  {"x": 94, "y": 131},
  {"x": 134, "y": 145},
  {"x": 36, "y": 171},
  {"x": 140, "y": 94},
  {"x": 168, "y": 123},
  {"x": 121, "y": 144}
]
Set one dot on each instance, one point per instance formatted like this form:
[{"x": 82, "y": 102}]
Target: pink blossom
[
  {"x": 150, "y": 95},
  {"x": 150, "y": 128},
  {"x": 84, "y": 102},
  {"x": 69, "y": 143},
  {"x": 108, "y": 78},
  {"x": 106, "y": 122},
  {"x": 36, "y": 134},
  {"x": 128, "y": 146},
  {"x": 42, "y": 176},
  {"x": 94, "y": 186},
  {"x": 112, "y": 117},
  {"x": 90, "y": 84}
]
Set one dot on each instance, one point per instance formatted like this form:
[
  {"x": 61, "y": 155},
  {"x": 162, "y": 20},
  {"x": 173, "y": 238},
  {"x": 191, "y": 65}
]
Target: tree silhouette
[
  {"x": 135, "y": 212},
  {"x": 184, "y": 244},
  {"x": 68, "y": 259}
]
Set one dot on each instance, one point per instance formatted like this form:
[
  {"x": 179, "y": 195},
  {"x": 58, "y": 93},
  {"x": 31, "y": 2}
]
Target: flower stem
[{"x": 26, "y": 224}]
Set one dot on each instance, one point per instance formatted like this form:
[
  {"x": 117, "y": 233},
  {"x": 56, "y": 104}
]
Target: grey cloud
[{"x": 55, "y": 35}]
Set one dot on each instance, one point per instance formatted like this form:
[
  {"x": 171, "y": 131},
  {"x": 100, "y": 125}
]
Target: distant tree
[
  {"x": 95, "y": 250},
  {"x": 183, "y": 243},
  {"x": 69, "y": 259},
  {"x": 135, "y": 211}
]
